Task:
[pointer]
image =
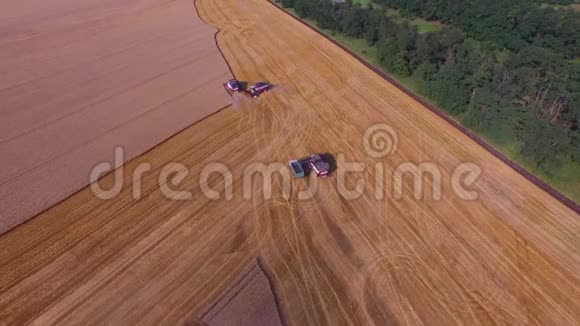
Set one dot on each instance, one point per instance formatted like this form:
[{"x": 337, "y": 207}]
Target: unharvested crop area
[
  {"x": 509, "y": 257},
  {"x": 80, "y": 78}
]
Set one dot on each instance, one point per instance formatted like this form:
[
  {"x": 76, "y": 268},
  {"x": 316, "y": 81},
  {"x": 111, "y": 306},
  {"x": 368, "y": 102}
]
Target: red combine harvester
[
  {"x": 259, "y": 88},
  {"x": 302, "y": 167},
  {"x": 233, "y": 85},
  {"x": 319, "y": 166}
]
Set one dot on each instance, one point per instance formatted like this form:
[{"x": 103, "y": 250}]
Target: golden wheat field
[{"x": 509, "y": 257}]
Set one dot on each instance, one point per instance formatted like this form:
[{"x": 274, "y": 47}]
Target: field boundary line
[
  {"x": 74, "y": 193},
  {"x": 502, "y": 157},
  {"x": 215, "y": 39}
]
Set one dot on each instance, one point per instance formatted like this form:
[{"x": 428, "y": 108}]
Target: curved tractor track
[{"x": 510, "y": 257}]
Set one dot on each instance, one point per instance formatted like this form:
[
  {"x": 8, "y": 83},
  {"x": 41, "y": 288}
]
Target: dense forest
[{"x": 509, "y": 69}]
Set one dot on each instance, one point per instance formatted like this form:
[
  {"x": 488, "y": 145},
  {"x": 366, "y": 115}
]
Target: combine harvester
[
  {"x": 235, "y": 86},
  {"x": 259, "y": 88}
]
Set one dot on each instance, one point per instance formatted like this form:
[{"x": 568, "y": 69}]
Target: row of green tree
[
  {"x": 528, "y": 96},
  {"x": 511, "y": 24}
]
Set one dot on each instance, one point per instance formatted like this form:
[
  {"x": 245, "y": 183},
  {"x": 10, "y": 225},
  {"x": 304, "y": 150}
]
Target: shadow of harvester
[
  {"x": 244, "y": 86},
  {"x": 331, "y": 160}
]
